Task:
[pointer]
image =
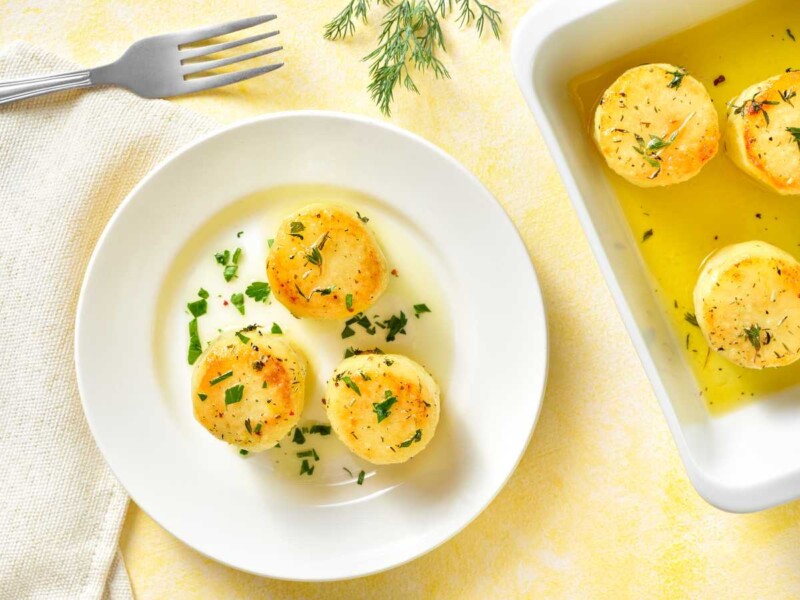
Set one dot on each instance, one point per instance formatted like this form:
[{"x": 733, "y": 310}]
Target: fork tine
[
  {"x": 212, "y": 81},
  {"x": 213, "y": 49},
  {"x": 207, "y": 65},
  {"x": 203, "y": 33}
]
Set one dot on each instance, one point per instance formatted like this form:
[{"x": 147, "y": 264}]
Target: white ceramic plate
[{"x": 486, "y": 343}]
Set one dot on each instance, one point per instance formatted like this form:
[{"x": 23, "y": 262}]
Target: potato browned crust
[
  {"x": 268, "y": 376},
  {"x": 747, "y": 302},
  {"x": 764, "y": 132},
  {"x": 360, "y": 392},
  {"x": 321, "y": 255},
  {"x": 656, "y": 125}
]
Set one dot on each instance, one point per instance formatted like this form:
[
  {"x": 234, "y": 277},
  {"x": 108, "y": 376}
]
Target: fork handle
[{"x": 11, "y": 91}]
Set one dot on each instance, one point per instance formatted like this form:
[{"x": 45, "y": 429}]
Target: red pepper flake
[
  {"x": 225, "y": 303},
  {"x": 718, "y": 80},
  {"x": 394, "y": 272},
  {"x": 291, "y": 413}
]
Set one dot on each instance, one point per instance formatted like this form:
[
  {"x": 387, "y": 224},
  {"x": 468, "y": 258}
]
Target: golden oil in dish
[{"x": 679, "y": 226}]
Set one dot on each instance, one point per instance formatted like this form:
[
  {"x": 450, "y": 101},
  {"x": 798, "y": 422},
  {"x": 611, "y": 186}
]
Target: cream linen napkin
[{"x": 66, "y": 162}]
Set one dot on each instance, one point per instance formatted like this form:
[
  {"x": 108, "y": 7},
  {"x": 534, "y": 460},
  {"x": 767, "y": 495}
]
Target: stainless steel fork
[{"x": 159, "y": 66}]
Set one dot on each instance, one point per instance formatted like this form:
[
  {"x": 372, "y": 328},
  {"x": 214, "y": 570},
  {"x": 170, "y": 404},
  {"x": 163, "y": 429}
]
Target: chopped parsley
[
  {"x": 348, "y": 301},
  {"x": 351, "y": 384},
  {"x": 242, "y": 338},
  {"x": 362, "y": 218},
  {"x": 270, "y": 241},
  {"x": 276, "y": 328},
  {"x": 223, "y": 258},
  {"x": 238, "y": 301},
  {"x": 754, "y": 106},
  {"x": 677, "y": 77},
  {"x": 349, "y": 352},
  {"x": 421, "y": 308},
  {"x": 236, "y": 254},
  {"x": 394, "y": 325},
  {"x": 647, "y": 235},
  {"x": 202, "y": 293},
  {"x": 258, "y": 291},
  {"x": 309, "y": 454},
  {"x": 753, "y": 335},
  {"x": 234, "y": 394},
  {"x": 414, "y": 438},
  {"x": 320, "y": 429},
  {"x": 381, "y": 409},
  {"x": 195, "y": 348},
  {"x": 257, "y": 429},
  {"x": 298, "y": 437},
  {"x": 247, "y": 426},
  {"x": 361, "y": 320},
  {"x": 229, "y": 272},
  {"x": 221, "y": 378},
  {"x": 795, "y": 131},
  {"x": 790, "y": 34},
  {"x": 202, "y": 397},
  {"x": 243, "y": 452},
  {"x": 691, "y": 319},
  {"x": 306, "y": 468},
  {"x": 295, "y": 227},
  {"x": 360, "y": 480}
]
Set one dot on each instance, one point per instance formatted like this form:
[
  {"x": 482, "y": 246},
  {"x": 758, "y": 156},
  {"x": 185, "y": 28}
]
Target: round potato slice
[
  {"x": 763, "y": 135},
  {"x": 656, "y": 125},
  {"x": 747, "y": 302},
  {"x": 383, "y": 407},
  {"x": 248, "y": 388},
  {"x": 325, "y": 264}
]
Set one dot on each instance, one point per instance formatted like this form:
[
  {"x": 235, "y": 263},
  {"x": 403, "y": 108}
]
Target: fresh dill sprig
[{"x": 409, "y": 40}]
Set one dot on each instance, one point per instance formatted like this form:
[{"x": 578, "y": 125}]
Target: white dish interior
[
  {"x": 744, "y": 460},
  {"x": 433, "y": 219}
]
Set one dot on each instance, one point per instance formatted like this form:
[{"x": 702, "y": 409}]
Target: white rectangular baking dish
[{"x": 742, "y": 461}]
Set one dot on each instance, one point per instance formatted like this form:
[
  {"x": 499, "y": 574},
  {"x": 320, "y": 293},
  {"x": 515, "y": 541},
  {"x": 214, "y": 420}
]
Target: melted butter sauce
[
  {"x": 720, "y": 206},
  {"x": 249, "y": 224}
]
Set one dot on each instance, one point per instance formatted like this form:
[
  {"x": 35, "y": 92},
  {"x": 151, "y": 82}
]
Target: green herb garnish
[
  {"x": 247, "y": 426},
  {"x": 258, "y": 291},
  {"x": 362, "y": 218},
  {"x": 382, "y": 408},
  {"x": 790, "y": 34},
  {"x": 677, "y": 77},
  {"x": 257, "y": 429},
  {"x": 306, "y": 468},
  {"x": 394, "y": 325},
  {"x": 236, "y": 254},
  {"x": 195, "y": 347},
  {"x": 308, "y": 454},
  {"x": 787, "y": 95},
  {"x": 270, "y": 241},
  {"x": 360, "y": 480},
  {"x": 234, "y": 394},
  {"x": 411, "y": 36},
  {"x": 351, "y": 384},
  {"x": 691, "y": 319},
  {"x": 414, "y": 438},
  {"x": 243, "y": 452},
  {"x": 754, "y": 106},
  {"x": 647, "y": 235},
  {"x": 202, "y": 397},
  {"x": 320, "y": 429},
  {"x": 295, "y": 227},
  {"x": 242, "y": 337},
  {"x": 348, "y": 301},
  {"x": 421, "y": 308},
  {"x": 753, "y": 335},
  {"x": 349, "y": 352},
  {"x": 298, "y": 437},
  {"x": 202, "y": 293},
  {"x": 223, "y": 257},
  {"x": 795, "y": 131},
  {"x": 229, "y": 272},
  {"x": 220, "y": 378},
  {"x": 238, "y": 301},
  {"x": 276, "y": 328}
]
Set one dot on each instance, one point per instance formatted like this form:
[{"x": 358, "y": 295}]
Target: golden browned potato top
[
  {"x": 384, "y": 407},
  {"x": 656, "y": 125},
  {"x": 325, "y": 264},
  {"x": 248, "y": 388}
]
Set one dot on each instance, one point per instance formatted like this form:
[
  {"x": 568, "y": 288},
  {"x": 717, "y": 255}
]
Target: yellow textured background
[{"x": 600, "y": 505}]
